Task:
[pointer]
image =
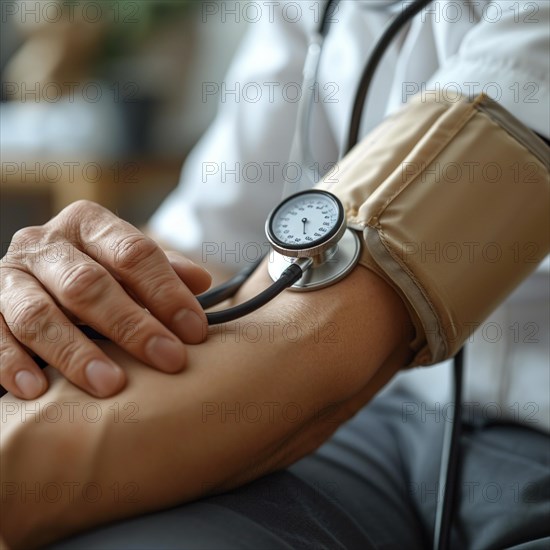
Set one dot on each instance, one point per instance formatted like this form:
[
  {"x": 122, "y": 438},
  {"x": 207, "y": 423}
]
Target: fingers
[
  {"x": 19, "y": 374},
  {"x": 88, "y": 290},
  {"x": 196, "y": 278},
  {"x": 88, "y": 264},
  {"x": 31, "y": 318},
  {"x": 141, "y": 266}
]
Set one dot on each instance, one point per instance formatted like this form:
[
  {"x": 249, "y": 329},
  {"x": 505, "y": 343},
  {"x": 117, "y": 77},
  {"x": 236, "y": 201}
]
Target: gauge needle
[{"x": 304, "y": 220}]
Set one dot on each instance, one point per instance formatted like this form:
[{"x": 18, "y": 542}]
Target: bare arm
[{"x": 258, "y": 395}]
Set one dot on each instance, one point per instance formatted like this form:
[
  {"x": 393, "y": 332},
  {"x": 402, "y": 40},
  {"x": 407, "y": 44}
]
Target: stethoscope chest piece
[{"x": 312, "y": 224}]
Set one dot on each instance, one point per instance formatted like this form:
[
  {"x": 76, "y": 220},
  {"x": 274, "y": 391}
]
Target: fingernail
[
  {"x": 104, "y": 378},
  {"x": 28, "y": 384},
  {"x": 166, "y": 354},
  {"x": 189, "y": 326}
]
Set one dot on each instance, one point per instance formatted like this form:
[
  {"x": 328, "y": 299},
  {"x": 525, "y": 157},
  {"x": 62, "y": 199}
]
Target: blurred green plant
[
  {"x": 135, "y": 20},
  {"x": 131, "y": 22}
]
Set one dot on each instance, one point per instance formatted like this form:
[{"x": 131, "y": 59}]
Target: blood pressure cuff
[{"x": 452, "y": 198}]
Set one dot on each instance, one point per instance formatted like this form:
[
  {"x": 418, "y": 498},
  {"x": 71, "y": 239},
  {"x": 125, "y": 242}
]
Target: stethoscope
[
  {"x": 312, "y": 248},
  {"x": 311, "y": 245}
]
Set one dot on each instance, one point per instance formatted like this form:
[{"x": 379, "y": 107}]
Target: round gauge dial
[{"x": 308, "y": 222}]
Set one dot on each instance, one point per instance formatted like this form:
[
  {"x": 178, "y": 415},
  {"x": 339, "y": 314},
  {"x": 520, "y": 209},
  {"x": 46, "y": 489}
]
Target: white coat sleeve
[
  {"x": 235, "y": 174},
  {"x": 505, "y": 55}
]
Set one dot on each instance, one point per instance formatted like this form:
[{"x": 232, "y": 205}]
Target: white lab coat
[{"x": 234, "y": 175}]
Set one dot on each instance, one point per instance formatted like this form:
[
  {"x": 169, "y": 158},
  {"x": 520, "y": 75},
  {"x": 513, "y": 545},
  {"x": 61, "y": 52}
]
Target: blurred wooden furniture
[
  {"x": 32, "y": 191},
  {"x": 113, "y": 184}
]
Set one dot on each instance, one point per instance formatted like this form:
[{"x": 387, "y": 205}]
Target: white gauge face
[{"x": 306, "y": 219}]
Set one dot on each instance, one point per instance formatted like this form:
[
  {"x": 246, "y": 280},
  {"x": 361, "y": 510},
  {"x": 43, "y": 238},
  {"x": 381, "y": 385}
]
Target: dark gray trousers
[{"x": 373, "y": 485}]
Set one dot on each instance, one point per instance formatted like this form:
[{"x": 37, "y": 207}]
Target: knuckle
[
  {"x": 24, "y": 245},
  {"x": 8, "y": 357},
  {"x": 83, "y": 283},
  {"x": 133, "y": 249},
  {"x": 29, "y": 234},
  {"x": 29, "y": 310},
  {"x": 32, "y": 245},
  {"x": 70, "y": 359},
  {"x": 79, "y": 213},
  {"x": 78, "y": 209},
  {"x": 161, "y": 289},
  {"x": 10, "y": 280},
  {"x": 127, "y": 328}
]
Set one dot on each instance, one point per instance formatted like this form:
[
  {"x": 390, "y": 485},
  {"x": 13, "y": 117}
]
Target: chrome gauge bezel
[{"x": 316, "y": 247}]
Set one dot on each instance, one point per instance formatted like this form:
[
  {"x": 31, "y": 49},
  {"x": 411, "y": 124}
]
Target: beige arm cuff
[{"x": 452, "y": 197}]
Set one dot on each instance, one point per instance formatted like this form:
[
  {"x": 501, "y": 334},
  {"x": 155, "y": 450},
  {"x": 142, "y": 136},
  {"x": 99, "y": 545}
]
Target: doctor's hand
[{"x": 87, "y": 264}]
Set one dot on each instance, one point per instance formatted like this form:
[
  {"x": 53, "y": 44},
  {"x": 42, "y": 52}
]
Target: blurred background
[{"x": 103, "y": 100}]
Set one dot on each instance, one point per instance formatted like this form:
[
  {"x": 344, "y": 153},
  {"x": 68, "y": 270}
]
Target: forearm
[{"x": 258, "y": 395}]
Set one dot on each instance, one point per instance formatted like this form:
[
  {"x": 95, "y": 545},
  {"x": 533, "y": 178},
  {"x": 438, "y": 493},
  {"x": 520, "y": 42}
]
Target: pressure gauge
[
  {"x": 312, "y": 224},
  {"x": 306, "y": 224}
]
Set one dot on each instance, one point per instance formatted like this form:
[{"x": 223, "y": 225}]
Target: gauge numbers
[{"x": 306, "y": 219}]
